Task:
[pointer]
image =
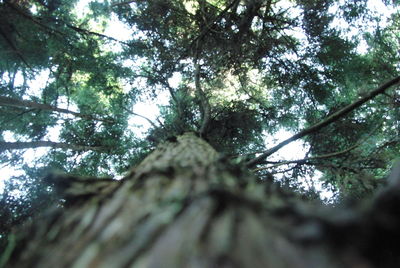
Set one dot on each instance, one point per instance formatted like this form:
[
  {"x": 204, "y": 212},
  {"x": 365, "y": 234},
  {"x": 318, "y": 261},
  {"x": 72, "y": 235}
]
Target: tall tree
[
  {"x": 247, "y": 69},
  {"x": 185, "y": 206}
]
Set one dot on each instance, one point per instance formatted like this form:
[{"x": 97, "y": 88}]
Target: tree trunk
[{"x": 185, "y": 206}]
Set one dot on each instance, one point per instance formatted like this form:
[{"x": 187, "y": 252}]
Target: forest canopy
[{"x": 239, "y": 73}]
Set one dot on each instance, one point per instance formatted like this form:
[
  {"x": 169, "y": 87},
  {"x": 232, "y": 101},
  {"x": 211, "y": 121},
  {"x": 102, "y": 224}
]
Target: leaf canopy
[{"x": 241, "y": 70}]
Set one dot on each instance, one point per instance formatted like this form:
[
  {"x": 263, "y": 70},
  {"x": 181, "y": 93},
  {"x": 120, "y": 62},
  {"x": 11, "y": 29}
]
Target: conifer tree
[{"x": 202, "y": 187}]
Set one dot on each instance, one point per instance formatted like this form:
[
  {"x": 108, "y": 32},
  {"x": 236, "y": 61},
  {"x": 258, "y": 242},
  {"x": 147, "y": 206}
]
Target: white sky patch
[
  {"x": 149, "y": 109},
  {"x": 34, "y": 86},
  {"x": 8, "y": 136},
  {"x": 54, "y": 133},
  {"x": 379, "y": 7},
  {"x": 30, "y": 155},
  {"x": 293, "y": 151},
  {"x": 296, "y": 150},
  {"x": 175, "y": 80},
  {"x": 34, "y": 9},
  {"x": 19, "y": 79},
  {"x": 6, "y": 173},
  {"x": 63, "y": 103},
  {"x": 118, "y": 29},
  {"x": 82, "y": 8},
  {"x": 133, "y": 63}
]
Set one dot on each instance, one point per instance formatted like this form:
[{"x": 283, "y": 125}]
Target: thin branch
[
  {"x": 330, "y": 119},
  {"x": 307, "y": 159},
  {"x": 141, "y": 116},
  {"x": 88, "y": 32},
  {"x": 31, "y": 18},
  {"x": 123, "y": 3},
  {"x": 14, "y": 48},
  {"x": 75, "y": 28},
  {"x": 204, "y": 104},
  {"x": 243, "y": 86},
  {"x": 324, "y": 156},
  {"x": 283, "y": 171},
  {"x": 163, "y": 81},
  {"x": 278, "y": 171},
  {"x": 4, "y": 146},
  {"x": 171, "y": 91},
  {"x": 208, "y": 27},
  {"x": 11, "y": 102}
]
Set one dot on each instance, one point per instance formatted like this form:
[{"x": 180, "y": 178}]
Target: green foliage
[
  {"x": 235, "y": 130},
  {"x": 263, "y": 67},
  {"x": 24, "y": 197}
]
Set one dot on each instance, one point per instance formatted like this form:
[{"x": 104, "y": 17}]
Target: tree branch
[
  {"x": 123, "y": 3},
  {"x": 14, "y": 48},
  {"x": 88, "y": 32},
  {"x": 36, "y": 144},
  {"x": 205, "y": 108},
  {"x": 162, "y": 80},
  {"x": 11, "y": 102},
  {"x": 330, "y": 119},
  {"x": 73, "y": 27},
  {"x": 305, "y": 160},
  {"x": 141, "y": 116},
  {"x": 31, "y": 18},
  {"x": 208, "y": 27},
  {"x": 324, "y": 156}
]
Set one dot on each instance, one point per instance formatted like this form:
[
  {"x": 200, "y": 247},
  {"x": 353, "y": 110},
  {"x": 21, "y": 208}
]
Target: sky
[{"x": 117, "y": 30}]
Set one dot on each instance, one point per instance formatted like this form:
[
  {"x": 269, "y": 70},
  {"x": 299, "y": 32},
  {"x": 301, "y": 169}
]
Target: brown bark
[{"x": 185, "y": 206}]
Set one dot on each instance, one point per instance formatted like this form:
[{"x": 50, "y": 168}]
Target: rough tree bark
[{"x": 185, "y": 206}]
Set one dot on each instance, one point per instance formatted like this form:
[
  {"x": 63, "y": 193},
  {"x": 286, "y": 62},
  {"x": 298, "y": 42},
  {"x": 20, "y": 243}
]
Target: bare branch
[
  {"x": 11, "y": 102},
  {"x": 31, "y": 18},
  {"x": 305, "y": 160},
  {"x": 163, "y": 81},
  {"x": 324, "y": 156},
  {"x": 51, "y": 30},
  {"x": 14, "y": 48},
  {"x": 141, "y": 116},
  {"x": 36, "y": 144},
  {"x": 208, "y": 27},
  {"x": 123, "y": 3},
  {"x": 87, "y": 32},
  {"x": 205, "y": 108},
  {"x": 330, "y": 119}
]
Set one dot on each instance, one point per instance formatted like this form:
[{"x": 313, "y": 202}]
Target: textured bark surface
[{"x": 184, "y": 206}]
